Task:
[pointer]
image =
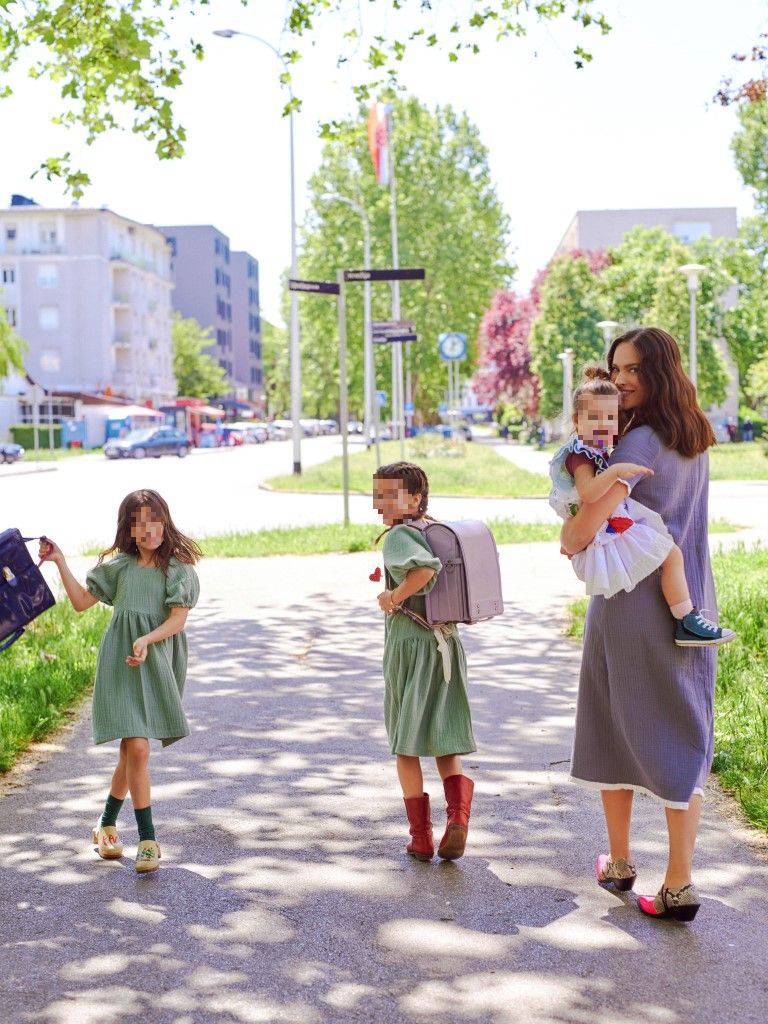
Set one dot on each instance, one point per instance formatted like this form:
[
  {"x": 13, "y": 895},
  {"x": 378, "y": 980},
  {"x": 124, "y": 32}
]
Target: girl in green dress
[
  {"x": 142, "y": 660},
  {"x": 425, "y": 705}
]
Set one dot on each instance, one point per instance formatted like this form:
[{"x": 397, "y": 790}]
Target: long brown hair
[
  {"x": 415, "y": 481},
  {"x": 671, "y": 407},
  {"x": 174, "y": 545}
]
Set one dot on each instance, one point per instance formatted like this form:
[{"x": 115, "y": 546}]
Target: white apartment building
[{"x": 89, "y": 292}]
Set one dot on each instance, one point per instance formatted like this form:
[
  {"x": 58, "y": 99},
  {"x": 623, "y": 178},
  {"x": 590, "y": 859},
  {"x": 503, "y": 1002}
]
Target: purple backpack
[{"x": 468, "y": 588}]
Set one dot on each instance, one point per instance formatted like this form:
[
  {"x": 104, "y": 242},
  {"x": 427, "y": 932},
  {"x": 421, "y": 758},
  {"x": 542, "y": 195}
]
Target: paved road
[
  {"x": 219, "y": 491},
  {"x": 284, "y": 893}
]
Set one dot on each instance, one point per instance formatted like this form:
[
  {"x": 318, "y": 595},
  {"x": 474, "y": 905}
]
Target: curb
[{"x": 27, "y": 472}]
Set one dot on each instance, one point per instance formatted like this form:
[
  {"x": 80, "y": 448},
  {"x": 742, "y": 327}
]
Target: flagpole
[{"x": 397, "y": 348}]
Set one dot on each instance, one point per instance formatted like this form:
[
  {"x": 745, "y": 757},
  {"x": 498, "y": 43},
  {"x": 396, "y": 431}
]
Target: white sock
[{"x": 681, "y": 610}]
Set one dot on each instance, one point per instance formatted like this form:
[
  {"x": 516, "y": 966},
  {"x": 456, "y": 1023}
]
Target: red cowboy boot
[
  {"x": 422, "y": 845},
  {"x": 458, "y": 794}
]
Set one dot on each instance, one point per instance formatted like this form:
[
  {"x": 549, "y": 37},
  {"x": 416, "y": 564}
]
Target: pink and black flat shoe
[
  {"x": 673, "y": 904},
  {"x": 619, "y": 872}
]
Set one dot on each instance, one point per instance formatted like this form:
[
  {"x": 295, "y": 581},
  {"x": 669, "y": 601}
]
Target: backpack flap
[
  {"x": 482, "y": 571},
  {"x": 24, "y": 594}
]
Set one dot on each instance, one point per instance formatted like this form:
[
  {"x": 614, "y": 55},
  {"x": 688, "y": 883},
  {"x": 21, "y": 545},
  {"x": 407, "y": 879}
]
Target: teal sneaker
[{"x": 694, "y": 630}]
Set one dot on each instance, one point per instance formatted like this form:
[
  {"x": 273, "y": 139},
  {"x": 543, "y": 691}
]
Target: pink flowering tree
[{"x": 504, "y": 363}]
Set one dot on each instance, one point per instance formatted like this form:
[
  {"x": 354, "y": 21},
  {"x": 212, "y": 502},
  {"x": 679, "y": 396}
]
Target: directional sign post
[
  {"x": 323, "y": 287},
  {"x": 388, "y": 331}
]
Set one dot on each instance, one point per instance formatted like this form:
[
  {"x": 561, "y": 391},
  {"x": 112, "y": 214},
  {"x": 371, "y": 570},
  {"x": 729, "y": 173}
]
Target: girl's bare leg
[
  {"x": 449, "y": 764},
  {"x": 682, "y": 827},
  {"x": 674, "y": 585},
  {"x": 137, "y": 770},
  {"x": 617, "y": 807},
  {"x": 119, "y": 786},
  {"x": 410, "y": 776}
]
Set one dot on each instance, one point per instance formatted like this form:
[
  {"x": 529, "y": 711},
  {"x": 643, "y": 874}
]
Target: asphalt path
[{"x": 284, "y": 892}]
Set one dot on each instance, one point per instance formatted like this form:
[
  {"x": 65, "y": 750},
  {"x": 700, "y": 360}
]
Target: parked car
[
  {"x": 355, "y": 427},
  {"x": 311, "y": 427},
  {"x": 11, "y": 452},
  {"x": 253, "y": 432},
  {"x": 151, "y": 442},
  {"x": 276, "y": 433}
]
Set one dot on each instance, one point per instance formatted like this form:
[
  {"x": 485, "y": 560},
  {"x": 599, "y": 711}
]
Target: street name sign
[
  {"x": 325, "y": 287},
  {"x": 389, "y": 274},
  {"x": 392, "y": 327},
  {"x": 389, "y": 339}
]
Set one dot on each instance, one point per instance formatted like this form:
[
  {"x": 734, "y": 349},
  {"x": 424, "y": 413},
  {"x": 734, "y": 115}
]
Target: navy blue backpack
[{"x": 24, "y": 594}]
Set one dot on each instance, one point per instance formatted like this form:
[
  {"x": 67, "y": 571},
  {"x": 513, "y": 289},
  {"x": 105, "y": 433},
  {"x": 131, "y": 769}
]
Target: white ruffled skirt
[{"x": 619, "y": 561}]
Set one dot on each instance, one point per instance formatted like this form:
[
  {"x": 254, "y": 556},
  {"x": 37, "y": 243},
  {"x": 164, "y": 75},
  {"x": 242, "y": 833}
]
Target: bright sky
[{"x": 637, "y": 128}]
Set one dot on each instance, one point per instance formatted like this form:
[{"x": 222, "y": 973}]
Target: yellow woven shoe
[
  {"x": 106, "y": 839},
  {"x": 147, "y": 856}
]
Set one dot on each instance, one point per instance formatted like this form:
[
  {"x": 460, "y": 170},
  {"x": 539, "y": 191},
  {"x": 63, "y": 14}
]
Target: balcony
[
  {"x": 121, "y": 339},
  {"x": 121, "y": 299}
]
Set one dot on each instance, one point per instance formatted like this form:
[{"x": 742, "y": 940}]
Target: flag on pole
[{"x": 378, "y": 140}]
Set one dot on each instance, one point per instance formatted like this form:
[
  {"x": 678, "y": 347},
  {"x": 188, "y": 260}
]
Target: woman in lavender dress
[{"x": 644, "y": 717}]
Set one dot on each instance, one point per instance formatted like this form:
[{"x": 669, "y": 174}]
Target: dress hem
[
  {"x": 675, "y": 805},
  {"x": 431, "y": 753},
  {"x": 165, "y": 740}
]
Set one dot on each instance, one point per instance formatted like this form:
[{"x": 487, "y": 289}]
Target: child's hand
[
  {"x": 386, "y": 603},
  {"x": 627, "y": 470},
  {"x": 49, "y": 552},
  {"x": 139, "y": 653}
]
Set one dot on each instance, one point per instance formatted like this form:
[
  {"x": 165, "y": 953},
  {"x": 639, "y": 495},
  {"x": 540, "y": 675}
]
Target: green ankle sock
[
  {"x": 111, "y": 811},
  {"x": 144, "y": 823}
]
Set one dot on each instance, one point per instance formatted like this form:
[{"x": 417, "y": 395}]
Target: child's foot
[
  {"x": 107, "y": 842},
  {"x": 147, "y": 856},
  {"x": 694, "y": 630}
]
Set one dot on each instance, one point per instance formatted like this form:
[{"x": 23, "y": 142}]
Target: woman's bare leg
[
  {"x": 682, "y": 827},
  {"x": 617, "y": 807}
]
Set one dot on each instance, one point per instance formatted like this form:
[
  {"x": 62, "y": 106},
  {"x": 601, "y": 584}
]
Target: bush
[{"x": 24, "y": 434}]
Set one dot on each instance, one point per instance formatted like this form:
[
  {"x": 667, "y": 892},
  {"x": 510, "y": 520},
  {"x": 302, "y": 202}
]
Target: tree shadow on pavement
[{"x": 284, "y": 892}]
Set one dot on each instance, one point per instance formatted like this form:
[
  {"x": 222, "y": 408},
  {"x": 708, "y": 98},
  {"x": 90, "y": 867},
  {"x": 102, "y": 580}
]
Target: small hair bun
[{"x": 596, "y": 372}]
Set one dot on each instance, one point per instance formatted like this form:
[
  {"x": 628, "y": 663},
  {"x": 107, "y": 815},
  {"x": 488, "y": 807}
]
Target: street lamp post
[
  {"x": 369, "y": 381},
  {"x": 567, "y": 360},
  {"x": 607, "y": 327},
  {"x": 692, "y": 271},
  {"x": 295, "y": 349}
]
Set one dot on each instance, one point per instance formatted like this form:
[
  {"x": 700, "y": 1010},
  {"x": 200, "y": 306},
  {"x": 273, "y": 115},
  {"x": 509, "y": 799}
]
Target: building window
[
  {"x": 172, "y": 245},
  {"x": 10, "y": 315},
  {"x": 9, "y": 275},
  {"x": 217, "y": 246},
  {"x": 229, "y": 312},
  {"x": 47, "y": 275},
  {"x": 10, "y": 234},
  {"x": 256, "y": 375},
  {"x": 226, "y": 254},
  {"x": 49, "y": 318},
  {"x": 48, "y": 234}
]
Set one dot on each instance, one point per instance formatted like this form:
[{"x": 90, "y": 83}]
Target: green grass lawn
[
  {"x": 44, "y": 454},
  {"x": 741, "y": 708},
  {"x": 44, "y": 673},
  {"x": 745, "y": 461},
  {"x": 477, "y": 472}
]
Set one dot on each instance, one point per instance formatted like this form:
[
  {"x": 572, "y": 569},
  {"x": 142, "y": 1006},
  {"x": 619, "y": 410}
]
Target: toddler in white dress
[{"x": 634, "y": 541}]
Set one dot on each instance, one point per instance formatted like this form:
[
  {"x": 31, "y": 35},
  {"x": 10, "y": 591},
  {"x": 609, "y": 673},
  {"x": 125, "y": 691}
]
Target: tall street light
[
  {"x": 368, "y": 363},
  {"x": 567, "y": 360},
  {"x": 295, "y": 350},
  {"x": 607, "y": 327},
  {"x": 692, "y": 271}
]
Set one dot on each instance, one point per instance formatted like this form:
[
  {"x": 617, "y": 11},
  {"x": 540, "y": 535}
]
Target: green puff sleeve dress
[
  {"x": 142, "y": 701},
  {"x": 425, "y": 715}
]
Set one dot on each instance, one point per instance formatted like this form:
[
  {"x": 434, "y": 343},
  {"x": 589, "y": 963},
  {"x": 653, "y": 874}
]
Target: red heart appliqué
[
  {"x": 620, "y": 523},
  {"x": 375, "y": 576}
]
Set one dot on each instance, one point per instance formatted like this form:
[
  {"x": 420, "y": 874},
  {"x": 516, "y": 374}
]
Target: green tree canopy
[
  {"x": 642, "y": 285},
  {"x": 276, "y": 367},
  {"x": 568, "y": 314},
  {"x": 117, "y": 63},
  {"x": 11, "y": 347},
  {"x": 198, "y": 375},
  {"x": 450, "y": 222},
  {"x": 750, "y": 150}
]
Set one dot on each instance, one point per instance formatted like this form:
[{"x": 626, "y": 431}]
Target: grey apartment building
[
  {"x": 598, "y": 229},
  {"x": 89, "y": 293},
  {"x": 219, "y": 289}
]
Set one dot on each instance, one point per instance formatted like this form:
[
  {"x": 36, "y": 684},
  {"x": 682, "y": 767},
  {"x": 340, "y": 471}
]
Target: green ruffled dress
[
  {"x": 425, "y": 716},
  {"x": 142, "y": 701}
]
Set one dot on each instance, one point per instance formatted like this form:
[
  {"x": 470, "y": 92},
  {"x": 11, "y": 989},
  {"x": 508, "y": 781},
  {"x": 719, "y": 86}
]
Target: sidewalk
[{"x": 284, "y": 893}]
